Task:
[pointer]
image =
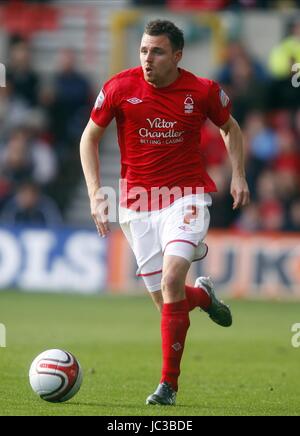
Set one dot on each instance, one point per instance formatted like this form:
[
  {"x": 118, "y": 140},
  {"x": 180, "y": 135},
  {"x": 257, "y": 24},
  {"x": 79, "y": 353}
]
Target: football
[{"x": 55, "y": 375}]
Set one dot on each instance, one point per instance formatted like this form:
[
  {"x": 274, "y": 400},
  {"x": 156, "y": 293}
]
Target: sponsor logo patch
[
  {"x": 100, "y": 100},
  {"x": 224, "y": 98}
]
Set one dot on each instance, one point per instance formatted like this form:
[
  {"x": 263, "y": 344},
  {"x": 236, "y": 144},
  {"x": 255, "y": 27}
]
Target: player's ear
[{"x": 178, "y": 56}]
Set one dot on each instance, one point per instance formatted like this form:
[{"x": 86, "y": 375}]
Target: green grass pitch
[{"x": 248, "y": 369}]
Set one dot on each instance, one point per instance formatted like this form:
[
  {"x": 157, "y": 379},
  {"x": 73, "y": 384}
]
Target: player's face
[{"x": 159, "y": 60}]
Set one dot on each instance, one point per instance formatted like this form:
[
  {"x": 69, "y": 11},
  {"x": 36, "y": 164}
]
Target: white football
[{"x": 55, "y": 375}]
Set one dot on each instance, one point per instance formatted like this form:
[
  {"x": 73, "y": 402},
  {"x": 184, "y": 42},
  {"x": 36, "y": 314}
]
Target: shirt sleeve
[
  {"x": 105, "y": 106},
  {"x": 219, "y": 105}
]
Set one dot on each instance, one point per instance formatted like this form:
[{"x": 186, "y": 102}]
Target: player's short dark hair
[{"x": 165, "y": 27}]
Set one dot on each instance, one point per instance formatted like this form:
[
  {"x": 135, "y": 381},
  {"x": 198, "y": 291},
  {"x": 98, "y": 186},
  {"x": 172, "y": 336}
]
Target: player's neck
[{"x": 172, "y": 77}]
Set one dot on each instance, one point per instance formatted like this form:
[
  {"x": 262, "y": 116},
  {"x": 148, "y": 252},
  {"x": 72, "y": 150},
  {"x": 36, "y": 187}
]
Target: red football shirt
[{"x": 159, "y": 129}]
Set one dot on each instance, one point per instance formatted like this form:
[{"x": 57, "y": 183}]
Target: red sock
[
  {"x": 197, "y": 297},
  {"x": 174, "y": 326}
]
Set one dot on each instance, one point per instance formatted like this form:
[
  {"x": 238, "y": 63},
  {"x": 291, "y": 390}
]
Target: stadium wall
[{"x": 65, "y": 260}]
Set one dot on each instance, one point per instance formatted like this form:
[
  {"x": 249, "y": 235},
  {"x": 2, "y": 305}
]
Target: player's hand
[
  {"x": 240, "y": 192},
  {"x": 99, "y": 211}
]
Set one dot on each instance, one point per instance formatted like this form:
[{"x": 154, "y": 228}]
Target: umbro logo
[
  {"x": 134, "y": 100},
  {"x": 177, "y": 346}
]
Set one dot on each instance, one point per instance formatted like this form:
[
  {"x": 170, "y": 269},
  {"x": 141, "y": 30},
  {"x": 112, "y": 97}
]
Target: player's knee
[{"x": 171, "y": 283}]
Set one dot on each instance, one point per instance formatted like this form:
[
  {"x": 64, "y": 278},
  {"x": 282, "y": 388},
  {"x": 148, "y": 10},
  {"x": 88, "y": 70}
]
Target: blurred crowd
[
  {"x": 266, "y": 103},
  {"x": 219, "y": 4},
  {"x": 41, "y": 121}
]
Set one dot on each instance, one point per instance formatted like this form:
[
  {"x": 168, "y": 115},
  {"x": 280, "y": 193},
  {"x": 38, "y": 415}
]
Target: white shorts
[{"x": 177, "y": 230}]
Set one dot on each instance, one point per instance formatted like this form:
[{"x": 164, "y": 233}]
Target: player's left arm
[{"x": 233, "y": 138}]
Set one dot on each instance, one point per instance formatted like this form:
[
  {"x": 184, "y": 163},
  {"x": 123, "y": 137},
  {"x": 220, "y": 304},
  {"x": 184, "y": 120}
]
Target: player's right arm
[
  {"x": 89, "y": 154},
  {"x": 102, "y": 114}
]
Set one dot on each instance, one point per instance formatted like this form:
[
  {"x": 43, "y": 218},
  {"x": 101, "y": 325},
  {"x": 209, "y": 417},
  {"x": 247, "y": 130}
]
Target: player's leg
[
  {"x": 201, "y": 296},
  {"x": 175, "y": 269},
  {"x": 186, "y": 228},
  {"x": 147, "y": 249},
  {"x": 174, "y": 326},
  {"x": 157, "y": 299},
  {"x": 197, "y": 297}
]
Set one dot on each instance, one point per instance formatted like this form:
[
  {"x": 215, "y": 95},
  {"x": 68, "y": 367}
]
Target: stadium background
[{"x": 57, "y": 56}]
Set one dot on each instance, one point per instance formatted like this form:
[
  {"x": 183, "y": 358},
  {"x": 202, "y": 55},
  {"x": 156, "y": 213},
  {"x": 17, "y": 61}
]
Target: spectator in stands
[
  {"x": 294, "y": 217},
  {"x": 15, "y": 162},
  {"x": 218, "y": 4},
  {"x": 23, "y": 157},
  {"x": 287, "y": 52},
  {"x": 266, "y": 187},
  {"x": 288, "y": 188},
  {"x": 45, "y": 162},
  {"x": 236, "y": 49},
  {"x": 256, "y": 4},
  {"x": 282, "y": 94},
  {"x": 263, "y": 140},
  {"x": 272, "y": 216},
  {"x": 287, "y": 168},
  {"x": 13, "y": 111},
  {"x": 271, "y": 210},
  {"x": 72, "y": 94},
  {"x": 23, "y": 79},
  {"x": 66, "y": 102},
  {"x": 261, "y": 145},
  {"x": 244, "y": 79},
  {"x": 29, "y": 207},
  {"x": 249, "y": 219},
  {"x": 288, "y": 156},
  {"x": 198, "y": 4},
  {"x": 149, "y": 2}
]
